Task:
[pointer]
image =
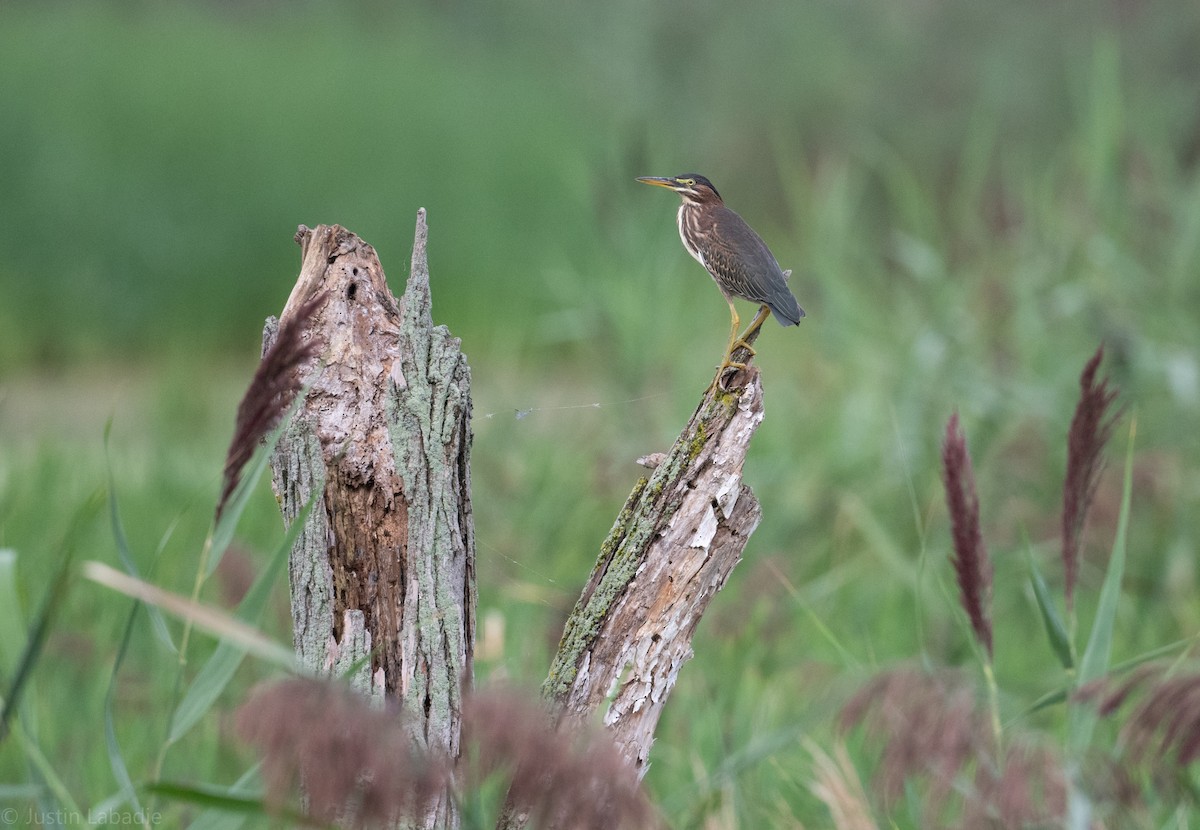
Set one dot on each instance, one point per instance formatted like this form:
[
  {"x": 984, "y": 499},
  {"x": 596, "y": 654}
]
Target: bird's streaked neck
[{"x": 682, "y": 219}]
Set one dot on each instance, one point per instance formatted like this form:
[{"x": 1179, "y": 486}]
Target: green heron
[{"x": 736, "y": 257}]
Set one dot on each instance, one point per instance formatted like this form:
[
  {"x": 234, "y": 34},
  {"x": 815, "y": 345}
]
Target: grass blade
[
  {"x": 13, "y": 636},
  {"x": 123, "y": 550},
  {"x": 239, "y": 496},
  {"x": 227, "y": 799},
  {"x": 1095, "y": 660},
  {"x": 1056, "y": 632},
  {"x": 208, "y": 796},
  {"x": 214, "y": 621},
  {"x": 12, "y": 625},
  {"x": 116, "y": 759},
  {"x": 221, "y": 666},
  {"x": 690, "y": 800},
  {"x": 215, "y": 818},
  {"x": 1047, "y": 700},
  {"x": 1056, "y": 696},
  {"x": 52, "y": 785},
  {"x": 222, "y": 534},
  {"x": 51, "y": 604}
]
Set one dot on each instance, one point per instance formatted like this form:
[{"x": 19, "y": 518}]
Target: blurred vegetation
[{"x": 972, "y": 195}]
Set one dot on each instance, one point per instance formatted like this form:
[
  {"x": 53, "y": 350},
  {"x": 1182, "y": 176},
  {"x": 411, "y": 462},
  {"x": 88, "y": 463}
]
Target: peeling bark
[
  {"x": 672, "y": 548},
  {"x": 385, "y": 565}
]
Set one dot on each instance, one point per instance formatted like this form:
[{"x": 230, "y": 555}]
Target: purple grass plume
[
  {"x": 1163, "y": 730},
  {"x": 356, "y": 762},
  {"x": 972, "y": 566},
  {"x": 929, "y": 725},
  {"x": 560, "y": 777},
  {"x": 1091, "y": 427},
  {"x": 935, "y": 735},
  {"x": 271, "y": 392},
  {"x": 358, "y": 765}
]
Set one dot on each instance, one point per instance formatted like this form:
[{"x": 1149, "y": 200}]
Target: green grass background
[{"x": 972, "y": 197}]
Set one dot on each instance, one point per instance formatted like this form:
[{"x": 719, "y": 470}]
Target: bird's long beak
[{"x": 657, "y": 181}]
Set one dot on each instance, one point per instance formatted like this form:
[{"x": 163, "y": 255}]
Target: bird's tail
[
  {"x": 788, "y": 315},
  {"x": 785, "y": 308}
]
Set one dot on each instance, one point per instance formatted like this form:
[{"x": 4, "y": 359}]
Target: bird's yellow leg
[
  {"x": 727, "y": 362},
  {"x": 763, "y": 313},
  {"x": 736, "y": 340}
]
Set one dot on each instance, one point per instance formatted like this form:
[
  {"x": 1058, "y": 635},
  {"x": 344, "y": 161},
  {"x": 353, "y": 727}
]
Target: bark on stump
[
  {"x": 673, "y": 546},
  {"x": 385, "y": 565}
]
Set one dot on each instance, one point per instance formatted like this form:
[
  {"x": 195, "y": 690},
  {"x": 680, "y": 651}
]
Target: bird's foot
[
  {"x": 726, "y": 372},
  {"x": 740, "y": 343}
]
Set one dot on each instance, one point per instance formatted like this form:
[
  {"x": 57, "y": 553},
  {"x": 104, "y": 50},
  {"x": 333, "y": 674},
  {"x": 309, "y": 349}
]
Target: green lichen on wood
[
  {"x": 424, "y": 419},
  {"x": 429, "y": 424},
  {"x": 619, "y": 528},
  {"x": 697, "y": 443},
  {"x": 609, "y": 576},
  {"x": 649, "y": 507}
]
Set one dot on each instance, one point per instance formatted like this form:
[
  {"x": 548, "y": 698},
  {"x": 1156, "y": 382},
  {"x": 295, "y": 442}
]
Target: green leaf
[
  {"x": 1056, "y": 632},
  {"x": 1059, "y": 695},
  {"x": 116, "y": 759},
  {"x": 736, "y": 764},
  {"x": 209, "y": 796},
  {"x": 215, "y": 818},
  {"x": 222, "y": 533},
  {"x": 1095, "y": 660},
  {"x": 227, "y": 800},
  {"x": 205, "y": 618},
  {"x": 221, "y": 666},
  {"x": 12, "y": 626},
  {"x": 123, "y": 549}
]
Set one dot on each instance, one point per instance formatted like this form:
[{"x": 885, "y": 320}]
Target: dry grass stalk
[
  {"x": 1091, "y": 427},
  {"x": 271, "y": 392},
  {"x": 972, "y": 565},
  {"x": 358, "y": 764},
  {"x": 838, "y": 786}
]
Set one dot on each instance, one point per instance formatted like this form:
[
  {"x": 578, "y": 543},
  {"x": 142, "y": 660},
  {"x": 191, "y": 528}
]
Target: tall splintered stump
[{"x": 383, "y": 573}]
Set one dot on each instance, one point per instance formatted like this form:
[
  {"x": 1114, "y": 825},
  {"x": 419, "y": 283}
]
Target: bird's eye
[{"x": 688, "y": 182}]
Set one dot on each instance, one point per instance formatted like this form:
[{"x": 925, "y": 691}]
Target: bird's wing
[{"x": 746, "y": 266}]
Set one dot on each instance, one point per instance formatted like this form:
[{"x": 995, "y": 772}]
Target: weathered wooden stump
[
  {"x": 383, "y": 574},
  {"x": 673, "y": 546}
]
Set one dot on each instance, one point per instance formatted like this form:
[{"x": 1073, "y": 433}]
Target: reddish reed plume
[
  {"x": 1163, "y": 730},
  {"x": 357, "y": 763},
  {"x": 972, "y": 566},
  {"x": 271, "y": 392},
  {"x": 1091, "y": 427},
  {"x": 936, "y": 736}
]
